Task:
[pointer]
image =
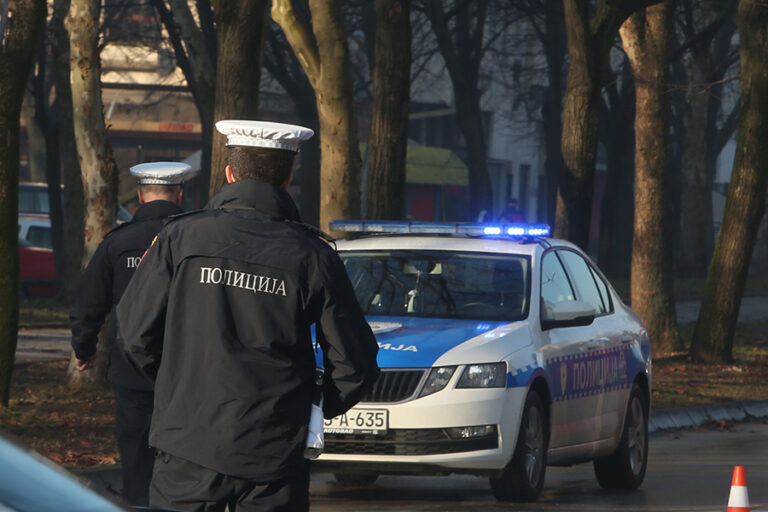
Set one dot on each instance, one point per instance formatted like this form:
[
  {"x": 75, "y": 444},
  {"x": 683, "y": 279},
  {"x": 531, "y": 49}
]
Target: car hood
[{"x": 413, "y": 342}]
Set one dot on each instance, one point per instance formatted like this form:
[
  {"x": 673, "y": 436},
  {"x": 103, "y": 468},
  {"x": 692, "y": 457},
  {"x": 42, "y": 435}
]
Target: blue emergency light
[{"x": 447, "y": 228}]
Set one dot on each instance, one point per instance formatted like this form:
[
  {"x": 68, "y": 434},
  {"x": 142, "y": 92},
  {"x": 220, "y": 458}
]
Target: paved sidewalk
[{"x": 43, "y": 344}]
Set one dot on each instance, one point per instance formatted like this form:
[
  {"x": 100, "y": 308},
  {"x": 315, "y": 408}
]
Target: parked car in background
[
  {"x": 35, "y": 228},
  {"x": 33, "y": 198},
  {"x": 37, "y": 271}
]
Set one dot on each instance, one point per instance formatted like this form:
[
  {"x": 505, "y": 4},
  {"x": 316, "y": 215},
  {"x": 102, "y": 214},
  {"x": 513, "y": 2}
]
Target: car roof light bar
[{"x": 461, "y": 228}]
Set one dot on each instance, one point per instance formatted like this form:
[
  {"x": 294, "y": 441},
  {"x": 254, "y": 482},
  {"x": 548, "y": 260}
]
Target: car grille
[
  {"x": 425, "y": 441},
  {"x": 394, "y": 386}
]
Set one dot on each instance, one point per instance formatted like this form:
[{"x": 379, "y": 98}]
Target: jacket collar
[
  {"x": 257, "y": 195},
  {"x": 156, "y": 209}
]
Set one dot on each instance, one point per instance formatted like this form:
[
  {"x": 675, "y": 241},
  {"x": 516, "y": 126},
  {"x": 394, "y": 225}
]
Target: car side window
[
  {"x": 584, "y": 280},
  {"x": 555, "y": 285},
  {"x": 603, "y": 290},
  {"x": 40, "y": 237}
]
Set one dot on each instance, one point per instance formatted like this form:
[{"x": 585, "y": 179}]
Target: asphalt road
[{"x": 688, "y": 471}]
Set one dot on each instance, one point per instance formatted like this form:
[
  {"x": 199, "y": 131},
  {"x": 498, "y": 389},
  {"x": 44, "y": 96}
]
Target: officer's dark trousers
[
  {"x": 183, "y": 485},
  {"x": 133, "y": 414}
]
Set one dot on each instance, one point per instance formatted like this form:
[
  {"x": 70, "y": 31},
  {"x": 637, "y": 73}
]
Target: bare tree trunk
[
  {"x": 580, "y": 125},
  {"x": 17, "y": 48},
  {"x": 35, "y": 140},
  {"x": 47, "y": 137},
  {"x": 195, "y": 49},
  {"x": 99, "y": 172},
  {"x": 284, "y": 67},
  {"x": 589, "y": 41},
  {"x": 391, "y": 101},
  {"x": 745, "y": 205},
  {"x": 554, "y": 51},
  {"x": 462, "y": 51},
  {"x": 241, "y": 28},
  {"x": 710, "y": 50},
  {"x": 645, "y": 40},
  {"x": 74, "y": 220},
  {"x": 326, "y": 63},
  {"x": 617, "y": 209}
]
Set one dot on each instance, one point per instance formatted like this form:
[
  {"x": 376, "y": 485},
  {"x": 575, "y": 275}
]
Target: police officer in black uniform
[
  {"x": 100, "y": 288},
  {"x": 219, "y": 313}
]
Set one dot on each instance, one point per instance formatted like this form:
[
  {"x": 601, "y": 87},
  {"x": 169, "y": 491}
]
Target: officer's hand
[{"x": 81, "y": 364}]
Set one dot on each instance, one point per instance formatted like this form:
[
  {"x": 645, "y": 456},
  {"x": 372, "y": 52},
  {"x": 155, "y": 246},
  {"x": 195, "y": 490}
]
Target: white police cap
[
  {"x": 163, "y": 173},
  {"x": 263, "y": 134}
]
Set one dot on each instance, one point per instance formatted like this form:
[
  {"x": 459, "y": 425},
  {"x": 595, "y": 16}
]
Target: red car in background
[{"x": 37, "y": 271}]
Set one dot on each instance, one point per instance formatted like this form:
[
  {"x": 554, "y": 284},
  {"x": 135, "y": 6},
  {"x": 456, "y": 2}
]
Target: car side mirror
[{"x": 569, "y": 313}]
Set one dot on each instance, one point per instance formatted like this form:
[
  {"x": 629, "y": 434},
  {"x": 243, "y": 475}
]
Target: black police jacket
[
  {"x": 219, "y": 312},
  {"x": 103, "y": 283}
]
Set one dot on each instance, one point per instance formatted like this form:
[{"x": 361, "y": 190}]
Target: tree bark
[
  {"x": 99, "y": 172},
  {"x": 391, "y": 102},
  {"x": 696, "y": 230},
  {"x": 590, "y": 39},
  {"x": 462, "y": 52},
  {"x": 17, "y": 48},
  {"x": 617, "y": 209},
  {"x": 554, "y": 45},
  {"x": 74, "y": 221},
  {"x": 745, "y": 205},
  {"x": 282, "y": 64},
  {"x": 709, "y": 34},
  {"x": 326, "y": 63},
  {"x": 35, "y": 139},
  {"x": 240, "y": 27},
  {"x": 645, "y": 41},
  {"x": 195, "y": 50},
  {"x": 45, "y": 118}
]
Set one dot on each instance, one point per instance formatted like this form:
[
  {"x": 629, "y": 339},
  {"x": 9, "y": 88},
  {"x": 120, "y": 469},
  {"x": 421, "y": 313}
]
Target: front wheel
[
  {"x": 523, "y": 477},
  {"x": 625, "y": 468}
]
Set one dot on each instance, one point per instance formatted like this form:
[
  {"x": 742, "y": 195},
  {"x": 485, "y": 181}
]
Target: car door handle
[{"x": 627, "y": 338}]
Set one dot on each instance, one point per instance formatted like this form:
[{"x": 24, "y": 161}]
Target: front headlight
[
  {"x": 437, "y": 380},
  {"x": 489, "y": 375}
]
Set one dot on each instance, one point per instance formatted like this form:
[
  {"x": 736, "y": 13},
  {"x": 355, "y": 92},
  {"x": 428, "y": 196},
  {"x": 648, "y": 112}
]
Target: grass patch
[
  {"x": 36, "y": 312},
  {"x": 680, "y": 382}
]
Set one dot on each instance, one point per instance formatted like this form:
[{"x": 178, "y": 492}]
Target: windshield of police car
[{"x": 440, "y": 284}]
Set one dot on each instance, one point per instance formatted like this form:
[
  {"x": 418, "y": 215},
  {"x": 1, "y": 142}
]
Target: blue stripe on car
[{"x": 419, "y": 342}]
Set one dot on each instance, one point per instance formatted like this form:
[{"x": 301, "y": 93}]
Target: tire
[
  {"x": 356, "y": 479},
  {"x": 523, "y": 478},
  {"x": 625, "y": 468}
]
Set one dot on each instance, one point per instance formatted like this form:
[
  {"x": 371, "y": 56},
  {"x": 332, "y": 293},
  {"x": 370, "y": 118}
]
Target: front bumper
[{"x": 418, "y": 440}]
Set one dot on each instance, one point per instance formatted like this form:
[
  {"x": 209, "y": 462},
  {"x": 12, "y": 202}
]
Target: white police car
[{"x": 502, "y": 351}]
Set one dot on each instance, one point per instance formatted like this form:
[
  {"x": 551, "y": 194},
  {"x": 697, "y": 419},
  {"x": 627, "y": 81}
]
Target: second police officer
[{"x": 100, "y": 288}]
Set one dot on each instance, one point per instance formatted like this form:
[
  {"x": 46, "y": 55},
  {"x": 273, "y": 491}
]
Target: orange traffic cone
[{"x": 738, "y": 501}]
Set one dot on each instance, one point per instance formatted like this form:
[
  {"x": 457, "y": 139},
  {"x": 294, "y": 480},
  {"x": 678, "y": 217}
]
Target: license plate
[{"x": 359, "y": 421}]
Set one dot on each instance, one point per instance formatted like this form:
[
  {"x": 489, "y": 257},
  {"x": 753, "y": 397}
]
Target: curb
[{"x": 666, "y": 419}]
